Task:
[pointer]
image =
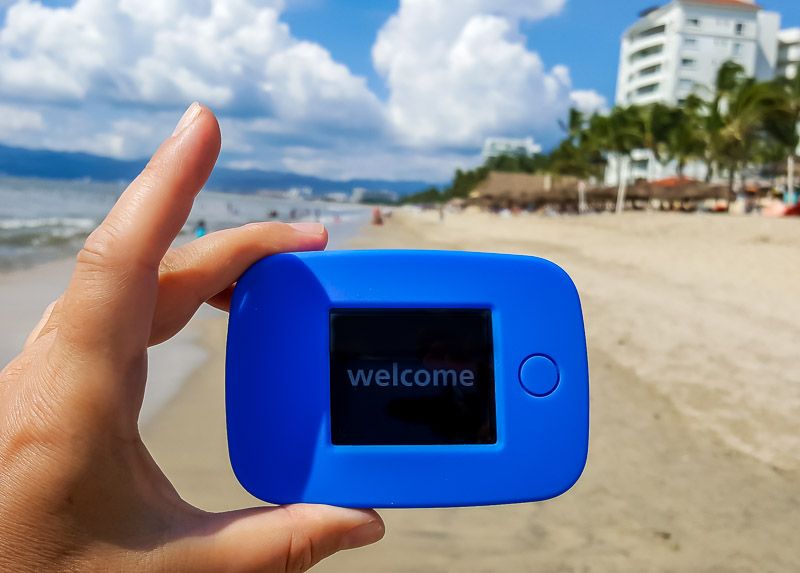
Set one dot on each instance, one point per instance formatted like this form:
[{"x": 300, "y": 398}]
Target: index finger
[{"x": 116, "y": 275}]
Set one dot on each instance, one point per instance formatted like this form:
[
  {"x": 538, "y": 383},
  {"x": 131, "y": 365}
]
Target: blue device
[{"x": 406, "y": 379}]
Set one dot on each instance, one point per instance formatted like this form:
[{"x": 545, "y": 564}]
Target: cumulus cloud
[
  {"x": 235, "y": 55},
  {"x": 588, "y": 101},
  {"x": 459, "y": 71},
  {"x": 111, "y": 76},
  {"x": 15, "y": 120}
]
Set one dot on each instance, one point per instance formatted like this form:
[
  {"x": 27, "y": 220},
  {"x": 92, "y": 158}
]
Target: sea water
[{"x": 44, "y": 219}]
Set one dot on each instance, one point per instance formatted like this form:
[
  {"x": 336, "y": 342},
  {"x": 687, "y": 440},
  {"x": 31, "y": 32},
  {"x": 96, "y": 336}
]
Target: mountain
[{"x": 21, "y": 162}]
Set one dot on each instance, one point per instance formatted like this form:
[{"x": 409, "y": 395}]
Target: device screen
[{"x": 412, "y": 377}]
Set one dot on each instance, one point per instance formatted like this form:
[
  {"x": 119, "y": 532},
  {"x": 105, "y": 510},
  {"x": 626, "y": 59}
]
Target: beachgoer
[
  {"x": 377, "y": 216},
  {"x": 78, "y": 489},
  {"x": 200, "y": 229}
]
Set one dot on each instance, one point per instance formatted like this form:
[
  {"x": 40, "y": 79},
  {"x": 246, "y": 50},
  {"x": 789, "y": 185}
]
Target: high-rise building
[
  {"x": 677, "y": 49},
  {"x": 789, "y": 52}
]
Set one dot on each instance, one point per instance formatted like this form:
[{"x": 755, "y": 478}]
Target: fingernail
[
  {"x": 308, "y": 228},
  {"x": 187, "y": 118},
  {"x": 363, "y": 535}
]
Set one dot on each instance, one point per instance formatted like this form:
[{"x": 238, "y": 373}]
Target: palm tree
[
  {"x": 619, "y": 133},
  {"x": 744, "y": 114},
  {"x": 729, "y": 77},
  {"x": 578, "y": 154},
  {"x": 790, "y": 134},
  {"x": 657, "y": 121},
  {"x": 685, "y": 140}
]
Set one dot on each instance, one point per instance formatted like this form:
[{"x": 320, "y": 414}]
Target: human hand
[{"x": 78, "y": 489}]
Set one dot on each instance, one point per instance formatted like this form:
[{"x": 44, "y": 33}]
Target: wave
[{"x": 82, "y": 223}]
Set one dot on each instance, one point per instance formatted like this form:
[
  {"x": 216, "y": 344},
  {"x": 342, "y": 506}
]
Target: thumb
[{"x": 289, "y": 538}]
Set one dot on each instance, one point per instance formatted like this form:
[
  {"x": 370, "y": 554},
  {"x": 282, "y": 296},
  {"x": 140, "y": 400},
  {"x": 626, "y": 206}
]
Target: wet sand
[{"x": 694, "y": 464}]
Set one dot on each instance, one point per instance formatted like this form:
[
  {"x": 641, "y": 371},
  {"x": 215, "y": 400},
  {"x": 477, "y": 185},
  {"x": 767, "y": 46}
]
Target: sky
[{"x": 393, "y": 89}]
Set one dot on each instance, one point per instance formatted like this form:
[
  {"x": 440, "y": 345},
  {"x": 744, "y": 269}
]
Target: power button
[{"x": 538, "y": 375}]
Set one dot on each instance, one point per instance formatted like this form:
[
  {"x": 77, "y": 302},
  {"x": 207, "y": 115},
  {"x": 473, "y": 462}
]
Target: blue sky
[
  {"x": 584, "y": 35},
  {"x": 336, "y": 88}
]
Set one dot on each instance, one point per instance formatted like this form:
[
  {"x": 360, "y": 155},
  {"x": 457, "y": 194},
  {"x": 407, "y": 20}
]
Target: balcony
[
  {"x": 647, "y": 89},
  {"x": 647, "y": 71},
  {"x": 645, "y": 53},
  {"x": 654, "y": 31}
]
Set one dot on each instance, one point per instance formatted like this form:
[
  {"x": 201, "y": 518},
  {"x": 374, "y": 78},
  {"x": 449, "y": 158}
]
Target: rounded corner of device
[
  {"x": 573, "y": 477},
  {"x": 244, "y": 477},
  {"x": 562, "y": 273}
]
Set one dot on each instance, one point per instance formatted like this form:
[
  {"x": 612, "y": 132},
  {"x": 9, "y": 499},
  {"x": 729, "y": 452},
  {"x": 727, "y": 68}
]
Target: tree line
[{"x": 743, "y": 124}]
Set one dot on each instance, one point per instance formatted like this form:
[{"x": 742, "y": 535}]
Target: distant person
[
  {"x": 377, "y": 217},
  {"x": 78, "y": 489},
  {"x": 200, "y": 229}
]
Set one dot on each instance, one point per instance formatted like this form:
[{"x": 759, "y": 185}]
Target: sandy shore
[{"x": 695, "y": 453}]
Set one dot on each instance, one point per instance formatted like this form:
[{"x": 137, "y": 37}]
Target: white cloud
[
  {"x": 15, "y": 120},
  {"x": 460, "y": 71},
  {"x": 112, "y": 76},
  {"x": 588, "y": 101},
  {"x": 165, "y": 54},
  {"x": 308, "y": 86}
]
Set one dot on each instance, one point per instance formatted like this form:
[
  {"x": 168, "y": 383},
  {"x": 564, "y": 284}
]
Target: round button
[{"x": 538, "y": 375}]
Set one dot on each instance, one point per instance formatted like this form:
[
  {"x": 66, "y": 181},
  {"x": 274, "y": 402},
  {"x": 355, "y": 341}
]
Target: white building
[
  {"x": 789, "y": 52},
  {"x": 677, "y": 49},
  {"x": 497, "y": 146}
]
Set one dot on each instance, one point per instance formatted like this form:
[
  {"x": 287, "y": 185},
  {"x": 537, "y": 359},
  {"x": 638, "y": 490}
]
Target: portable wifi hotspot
[{"x": 406, "y": 379}]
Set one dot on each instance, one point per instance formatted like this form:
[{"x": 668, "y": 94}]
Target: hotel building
[
  {"x": 789, "y": 52},
  {"x": 676, "y": 49}
]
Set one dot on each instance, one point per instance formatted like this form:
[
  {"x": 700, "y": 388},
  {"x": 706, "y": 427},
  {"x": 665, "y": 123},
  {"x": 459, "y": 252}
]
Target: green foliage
[
  {"x": 427, "y": 196},
  {"x": 744, "y": 122},
  {"x": 517, "y": 163},
  {"x": 465, "y": 181}
]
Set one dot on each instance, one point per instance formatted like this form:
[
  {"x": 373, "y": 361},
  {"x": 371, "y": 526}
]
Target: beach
[{"x": 693, "y": 339}]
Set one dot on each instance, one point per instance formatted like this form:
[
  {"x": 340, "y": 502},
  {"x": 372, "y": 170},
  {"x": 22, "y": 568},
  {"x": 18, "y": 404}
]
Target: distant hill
[{"x": 20, "y": 162}]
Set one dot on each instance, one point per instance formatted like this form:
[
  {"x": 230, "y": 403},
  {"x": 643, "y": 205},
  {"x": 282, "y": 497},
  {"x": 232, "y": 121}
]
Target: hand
[{"x": 78, "y": 489}]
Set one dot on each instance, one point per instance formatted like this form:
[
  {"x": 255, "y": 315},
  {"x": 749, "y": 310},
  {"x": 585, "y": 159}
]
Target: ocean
[{"x": 42, "y": 219}]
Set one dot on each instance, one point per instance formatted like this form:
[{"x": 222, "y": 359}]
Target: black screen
[{"x": 412, "y": 377}]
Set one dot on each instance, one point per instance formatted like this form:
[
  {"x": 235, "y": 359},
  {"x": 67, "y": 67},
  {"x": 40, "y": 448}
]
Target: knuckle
[
  {"x": 104, "y": 248},
  {"x": 28, "y": 431},
  {"x": 268, "y": 228},
  {"x": 173, "y": 261},
  {"x": 98, "y": 248},
  {"x": 300, "y": 553}
]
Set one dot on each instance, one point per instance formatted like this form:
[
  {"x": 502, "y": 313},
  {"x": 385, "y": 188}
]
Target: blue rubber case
[{"x": 278, "y": 386}]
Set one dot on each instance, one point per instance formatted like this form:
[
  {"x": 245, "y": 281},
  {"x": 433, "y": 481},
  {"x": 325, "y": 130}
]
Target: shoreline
[
  {"x": 33, "y": 287},
  {"x": 36, "y": 284}
]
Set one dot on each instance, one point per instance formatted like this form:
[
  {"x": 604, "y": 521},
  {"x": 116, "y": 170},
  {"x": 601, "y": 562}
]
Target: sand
[{"x": 694, "y": 465}]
